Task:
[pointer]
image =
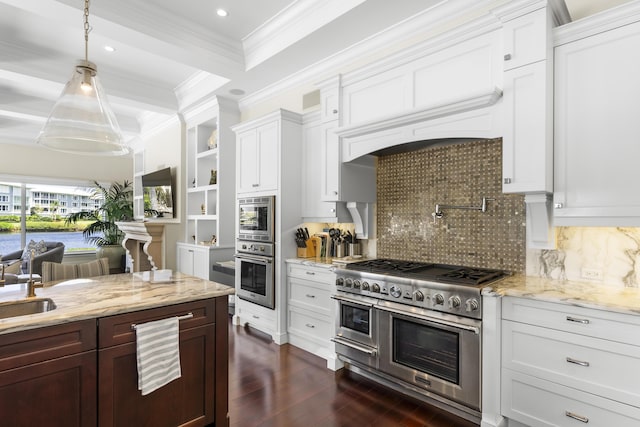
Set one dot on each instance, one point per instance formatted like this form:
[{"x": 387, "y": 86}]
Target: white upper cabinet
[
  {"x": 258, "y": 158},
  {"x": 525, "y": 39},
  {"x": 527, "y": 140},
  {"x": 597, "y": 115}
]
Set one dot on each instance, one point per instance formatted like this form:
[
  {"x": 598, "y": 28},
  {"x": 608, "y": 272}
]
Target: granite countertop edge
[
  {"x": 82, "y": 299},
  {"x": 625, "y": 300}
]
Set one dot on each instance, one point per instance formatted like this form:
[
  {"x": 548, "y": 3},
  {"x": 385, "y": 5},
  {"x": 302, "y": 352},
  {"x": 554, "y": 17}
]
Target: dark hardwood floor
[{"x": 284, "y": 386}]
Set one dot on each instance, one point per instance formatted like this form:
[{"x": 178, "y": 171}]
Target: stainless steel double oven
[{"x": 255, "y": 250}]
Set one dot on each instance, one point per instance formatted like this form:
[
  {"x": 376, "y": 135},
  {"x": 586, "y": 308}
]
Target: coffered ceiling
[{"x": 169, "y": 53}]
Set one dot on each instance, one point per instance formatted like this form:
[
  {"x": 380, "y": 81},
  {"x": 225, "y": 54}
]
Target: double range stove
[{"x": 441, "y": 287}]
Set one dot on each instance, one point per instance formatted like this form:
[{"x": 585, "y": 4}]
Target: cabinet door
[
  {"x": 527, "y": 143},
  {"x": 329, "y": 163},
  {"x": 268, "y": 149},
  {"x": 597, "y": 128},
  {"x": 201, "y": 263},
  {"x": 525, "y": 39},
  {"x": 247, "y": 161},
  {"x": 55, "y": 393},
  {"x": 185, "y": 260},
  {"x": 188, "y": 400}
]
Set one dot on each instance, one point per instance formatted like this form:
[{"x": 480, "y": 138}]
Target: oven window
[
  {"x": 426, "y": 349},
  {"x": 254, "y": 217},
  {"x": 253, "y": 277},
  {"x": 355, "y": 318}
]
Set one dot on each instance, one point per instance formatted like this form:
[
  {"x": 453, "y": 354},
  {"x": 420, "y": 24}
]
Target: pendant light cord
[{"x": 87, "y": 28}]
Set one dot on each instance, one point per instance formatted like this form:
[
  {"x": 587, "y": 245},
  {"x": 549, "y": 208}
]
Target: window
[{"x": 45, "y": 207}]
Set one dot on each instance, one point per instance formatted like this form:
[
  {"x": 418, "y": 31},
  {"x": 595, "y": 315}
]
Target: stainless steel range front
[{"x": 416, "y": 327}]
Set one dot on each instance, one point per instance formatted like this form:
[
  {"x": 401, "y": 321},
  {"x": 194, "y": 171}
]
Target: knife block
[{"x": 311, "y": 250}]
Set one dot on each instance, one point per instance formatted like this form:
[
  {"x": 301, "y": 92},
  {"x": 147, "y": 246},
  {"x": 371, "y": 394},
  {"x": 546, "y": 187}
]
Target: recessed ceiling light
[
  {"x": 222, "y": 12},
  {"x": 110, "y": 48}
]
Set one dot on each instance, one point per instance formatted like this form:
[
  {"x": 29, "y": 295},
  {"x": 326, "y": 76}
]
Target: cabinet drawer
[
  {"x": 115, "y": 330},
  {"x": 311, "y": 295},
  {"x": 37, "y": 345},
  {"x": 316, "y": 274},
  {"x": 536, "y": 402},
  {"x": 257, "y": 316},
  {"x": 311, "y": 325},
  {"x": 624, "y": 328},
  {"x": 593, "y": 365}
]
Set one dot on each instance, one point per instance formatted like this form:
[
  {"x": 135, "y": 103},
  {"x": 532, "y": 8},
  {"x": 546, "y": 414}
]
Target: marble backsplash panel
[
  {"x": 411, "y": 184},
  {"x": 607, "y": 255}
]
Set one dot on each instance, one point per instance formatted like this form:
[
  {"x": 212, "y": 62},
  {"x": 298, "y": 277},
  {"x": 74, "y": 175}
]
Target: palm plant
[{"x": 117, "y": 205}]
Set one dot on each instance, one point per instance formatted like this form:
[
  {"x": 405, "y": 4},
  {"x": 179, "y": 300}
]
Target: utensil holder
[
  {"x": 354, "y": 249},
  {"x": 341, "y": 250}
]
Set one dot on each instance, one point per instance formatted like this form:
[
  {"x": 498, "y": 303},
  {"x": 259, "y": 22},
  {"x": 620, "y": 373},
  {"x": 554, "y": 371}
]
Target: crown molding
[
  {"x": 624, "y": 14},
  {"x": 441, "y": 14},
  {"x": 206, "y": 108},
  {"x": 196, "y": 87},
  {"x": 293, "y": 23}
]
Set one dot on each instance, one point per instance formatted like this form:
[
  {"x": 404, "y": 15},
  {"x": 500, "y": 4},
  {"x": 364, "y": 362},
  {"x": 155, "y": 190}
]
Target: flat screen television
[{"x": 157, "y": 191}]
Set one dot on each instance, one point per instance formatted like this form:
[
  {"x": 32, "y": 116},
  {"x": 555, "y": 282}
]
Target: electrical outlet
[{"x": 591, "y": 274}]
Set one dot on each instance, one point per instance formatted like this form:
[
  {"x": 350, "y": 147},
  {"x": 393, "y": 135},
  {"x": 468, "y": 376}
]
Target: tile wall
[{"x": 411, "y": 184}]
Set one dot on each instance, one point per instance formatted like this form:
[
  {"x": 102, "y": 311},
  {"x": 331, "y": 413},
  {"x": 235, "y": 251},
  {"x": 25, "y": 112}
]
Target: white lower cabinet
[
  {"x": 255, "y": 316},
  {"x": 310, "y": 324},
  {"x": 194, "y": 260},
  {"x": 566, "y": 366}
]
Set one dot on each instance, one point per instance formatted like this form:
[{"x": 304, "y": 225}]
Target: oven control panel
[
  {"x": 460, "y": 300},
  {"x": 256, "y": 248}
]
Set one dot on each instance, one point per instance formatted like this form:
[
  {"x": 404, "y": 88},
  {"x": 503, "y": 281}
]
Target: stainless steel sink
[{"x": 25, "y": 306}]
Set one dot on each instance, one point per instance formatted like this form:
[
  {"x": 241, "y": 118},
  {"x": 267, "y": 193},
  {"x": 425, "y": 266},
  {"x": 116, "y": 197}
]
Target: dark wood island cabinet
[{"x": 84, "y": 373}]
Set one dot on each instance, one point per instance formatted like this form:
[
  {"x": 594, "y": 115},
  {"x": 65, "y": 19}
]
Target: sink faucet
[{"x": 31, "y": 284}]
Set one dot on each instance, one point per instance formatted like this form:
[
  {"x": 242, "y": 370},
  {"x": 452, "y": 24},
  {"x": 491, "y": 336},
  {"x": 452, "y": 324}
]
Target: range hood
[{"x": 474, "y": 117}]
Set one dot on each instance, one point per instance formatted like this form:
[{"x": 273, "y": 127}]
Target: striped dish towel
[{"x": 158, "y": 353}]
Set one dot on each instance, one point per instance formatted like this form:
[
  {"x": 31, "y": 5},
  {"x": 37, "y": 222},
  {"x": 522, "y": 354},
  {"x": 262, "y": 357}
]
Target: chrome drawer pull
[
  {"x": 577, "y": 362},
  {"x": 310, "y": 296},
  {"x": 311, "y": 273},
  {"x": 309, "y": 325},
  {"x": 576, "y": 320},
  {"x": 255, "y": 317},
  {"x": 576, "y": 417}
]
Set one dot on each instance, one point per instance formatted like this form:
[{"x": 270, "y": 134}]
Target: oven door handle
[
  {"x": 370, "y": 351},
  {"x": 261, "y": 260},
  {"x": 462, "y": 326},
  {"x": 351, "y": 301}
]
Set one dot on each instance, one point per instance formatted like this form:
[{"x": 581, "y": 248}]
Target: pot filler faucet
[{"x": 438, "y": 213}]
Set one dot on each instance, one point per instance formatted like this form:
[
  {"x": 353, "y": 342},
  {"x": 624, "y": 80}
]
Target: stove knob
[
  {"x": 471, "y": 305},
  {"x": 438, "y": 299},
  {"x": 418, "y": 296},
  {"x": 395, "y": 291},
  {"x": 348, "y": 283},
  {"x": 339, "y": 281},
  {"x": 375, "y": 287},
  {"x": 356, "y": 284},
  {"x": 454, "y": 302},
  {"x": 365, "y": 286}
]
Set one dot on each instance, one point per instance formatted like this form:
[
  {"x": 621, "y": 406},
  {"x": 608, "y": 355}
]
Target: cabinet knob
[
  {"x": 507, "y": 180},
  {"x": 334, "y": 111},
  {"x": 558, "y": 205},
  {"x": 332, "y": 210},
  {"x": 507, "y": 57},
  {"x": 335, "y": 193},
  {"x": 255, "y": 185}
]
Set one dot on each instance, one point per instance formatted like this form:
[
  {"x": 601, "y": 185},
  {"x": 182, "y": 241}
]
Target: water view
[{"x": 10, "y": 242}]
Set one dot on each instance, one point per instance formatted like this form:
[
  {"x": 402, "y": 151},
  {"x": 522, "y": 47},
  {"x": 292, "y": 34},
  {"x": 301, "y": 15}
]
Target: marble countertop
[
  {"x": 583, "y": 294},
  {"x": 94, "y": 297},
  {"x": 328, "y": 262}
]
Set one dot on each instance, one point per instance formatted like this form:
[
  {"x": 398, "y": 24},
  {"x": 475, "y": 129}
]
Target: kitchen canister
[{"x": 354, "y": 249}]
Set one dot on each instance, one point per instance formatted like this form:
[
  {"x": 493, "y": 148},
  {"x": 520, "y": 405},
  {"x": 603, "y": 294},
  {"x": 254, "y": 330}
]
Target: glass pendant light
[{"x": 82, "y": 121}]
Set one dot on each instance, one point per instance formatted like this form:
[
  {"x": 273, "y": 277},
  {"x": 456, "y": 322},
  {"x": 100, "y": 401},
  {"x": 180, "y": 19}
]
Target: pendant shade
[{"x": 82, "y": 121}]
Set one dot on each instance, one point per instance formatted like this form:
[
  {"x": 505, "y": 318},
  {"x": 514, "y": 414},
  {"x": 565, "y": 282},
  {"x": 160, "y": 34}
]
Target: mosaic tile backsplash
[{"x": 411, "y": 184}]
